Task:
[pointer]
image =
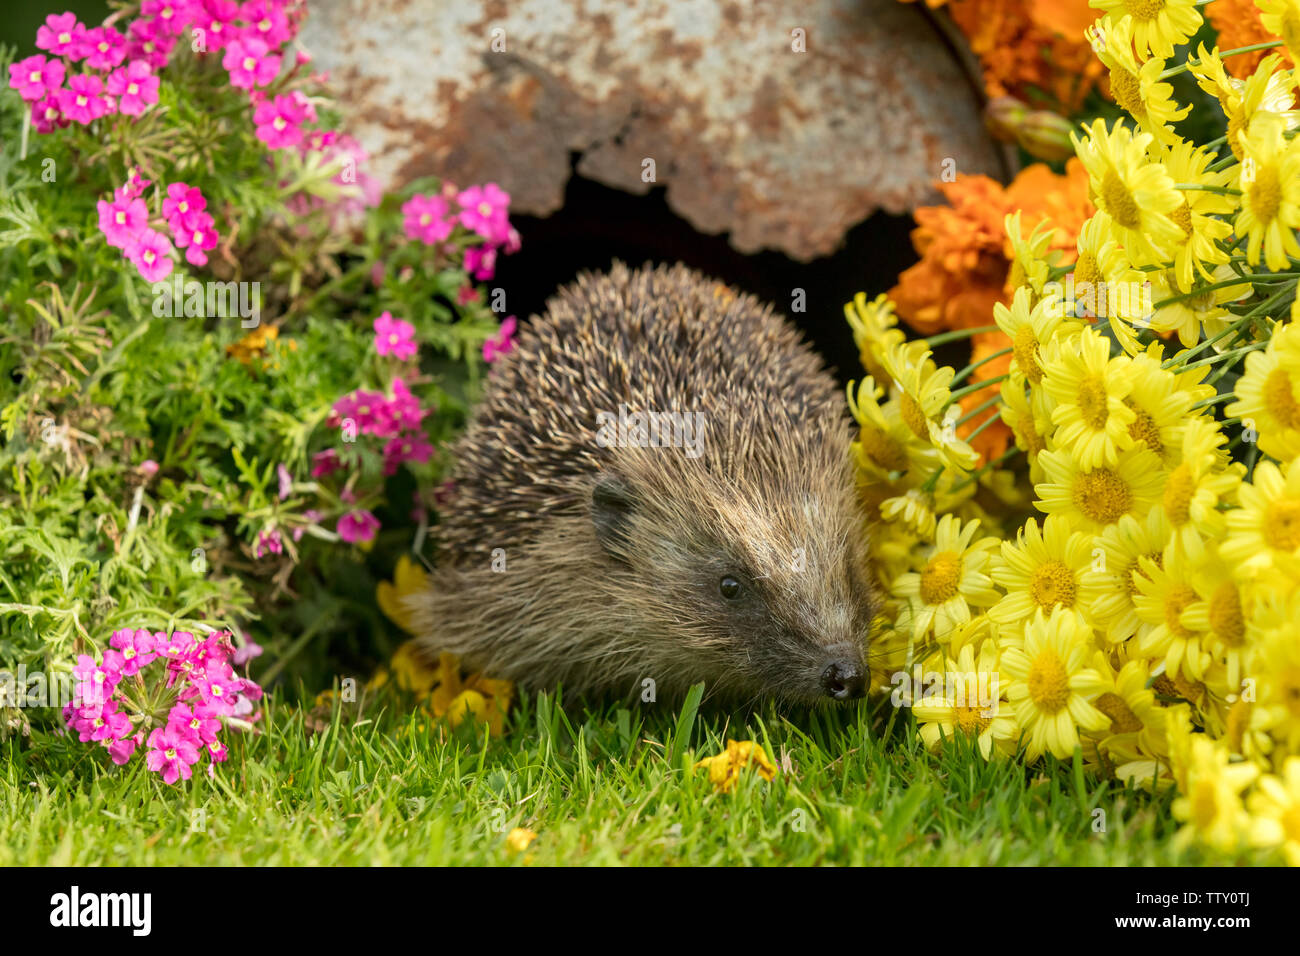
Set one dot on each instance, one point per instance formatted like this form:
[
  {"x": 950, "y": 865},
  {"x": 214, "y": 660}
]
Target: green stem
[
  {"x": 975, "y": 387},
  {"x": 1221, "y": 190},
  {"x": 983, "y": 425},
  {"x": 1183, "y": 356},
  {"x": 1191, "y": 62},
  {"x": 958, "y": 334},
  {"x": 1222, "y": 356},
  {"x": 974, "y": 365}
]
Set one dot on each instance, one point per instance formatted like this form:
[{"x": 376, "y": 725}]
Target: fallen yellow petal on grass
[
  {"x": 518, "y": 839},
  {"x": 724, "y": 769},
  {"x": 408, "y": 578}
]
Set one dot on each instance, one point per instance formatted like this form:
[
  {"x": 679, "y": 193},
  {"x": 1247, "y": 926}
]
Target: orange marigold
[{"x": 1239, "y": 25}]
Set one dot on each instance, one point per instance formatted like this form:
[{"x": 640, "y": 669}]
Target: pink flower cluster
[
  {"x": 396, "y": 421},
  {"x": 125, "y": 225},
  {"x": 395, "y": 337},
  {"x": 483, "y": 210},
  {"x": 113, "y": 705},
  {"x": 119, "y": 75},
  {"x": 501, "y": 343}
]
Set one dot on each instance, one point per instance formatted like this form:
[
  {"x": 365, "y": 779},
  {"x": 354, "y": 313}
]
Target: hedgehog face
[{"x": 755, "y": 599}]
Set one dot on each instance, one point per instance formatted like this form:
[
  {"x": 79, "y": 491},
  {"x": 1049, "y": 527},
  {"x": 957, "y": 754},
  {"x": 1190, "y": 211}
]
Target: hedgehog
[{"x": 656, "y": 489}]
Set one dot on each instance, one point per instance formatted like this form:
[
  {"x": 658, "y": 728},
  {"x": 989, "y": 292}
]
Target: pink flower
[
  {"x": 136, "y": 649},
  {"x": 405, "y": 407},
  {"x": 148, "y": 467},
  {"x": 151, "y": 251},
  {"x": 217, "y": 692},
  {"x": 425, "y": 218},
  {"x": 250, "y": 64},
  {"x": 135, "y": 87},
  {"x": 134, "y": 186},
  {"x": 325, "y": 462},
  {"x": 279, "y": 121},
  {"x": 36, "y": 77},
  {"x": 174, "y": 647},
  {"x": 198, "y": 723},
  {"x": 171, "y": 753},
  {"x": 356, "y": 526},
  {"x": 246, "y": 652},
  {"x": 62, "y": 35},
  {"x": 105, "y": 48},
  {"x": 481, "y": 261},
  {"x": 182, "y": 206},
  {"x": 82, "y": 100},
  {"x": 150, "y": 41},
  {"x": 123, "y": 748},
  {"x": 47, "y": 116},
  {"x": 199, "y": 237},
  {"x": 216, "y": 18},
  {"x": 411, "y": 447},
  {"x": 395, "y": 337},
  {"x": 267, "y": 21},
  {"x": 286, "y": 481},
  {"x": 122, "y": 220},
  {"x": 268, "y": 542},
  {"x": 501, "y": 343},
  {"x": 369, "y": 410},
  {"x": 171, "y": 16},
  {"x": 484, "y": 210}
]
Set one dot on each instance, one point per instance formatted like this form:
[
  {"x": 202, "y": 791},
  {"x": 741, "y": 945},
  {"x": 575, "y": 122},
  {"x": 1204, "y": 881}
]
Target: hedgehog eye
[{"x": 729, "y": 588}]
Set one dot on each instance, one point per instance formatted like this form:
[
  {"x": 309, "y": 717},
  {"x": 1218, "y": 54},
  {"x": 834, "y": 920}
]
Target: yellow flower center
[
  {"x": 1086, "y": 270},
  {"x": 1122, "y": 718},
  {"x": 1176, "y": 601},
  {"x": 941, "y": 578},
  {"x": 1102, "y": 495},
  {"x": 1178, "y": 494},
  {"x": 969, "y": 721},
  {"x": 1025, "y": 348},
  {"x": 1144, "y": 428},
  {"x": 1118, "y": 201},
  {"x": 1282, "y": 524},
  {"x": 1226, "y": 619},
  {"x": 1094, "y": 403},
  {"x": 1049, "y": 684},
  {"x": 1289, "y": 685},
  {"x": 914, "y": 417},
  {"x": 1279, "y": 398},
  {"x": 1052, "y": 584},
  {"x": 1127, "y": 91},
  {"x": 1265, "y": 193},
  {"x": 1183, "y": 216},
  {"x": 1156, "y": 556},
  {"x": 1144, "y": 9},
  {"x": 883, "y": 449}
]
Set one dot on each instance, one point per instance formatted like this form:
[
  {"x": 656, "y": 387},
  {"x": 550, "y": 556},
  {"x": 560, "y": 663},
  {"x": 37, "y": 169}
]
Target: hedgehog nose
[{"x": 844, "y": 680}]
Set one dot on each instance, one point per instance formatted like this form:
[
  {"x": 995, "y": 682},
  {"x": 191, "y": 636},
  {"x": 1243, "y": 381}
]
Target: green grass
[{"x": 612, "y": 785}]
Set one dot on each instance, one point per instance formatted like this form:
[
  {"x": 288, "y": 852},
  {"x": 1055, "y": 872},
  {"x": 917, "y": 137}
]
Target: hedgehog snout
[{"x": 844, "y": 678}]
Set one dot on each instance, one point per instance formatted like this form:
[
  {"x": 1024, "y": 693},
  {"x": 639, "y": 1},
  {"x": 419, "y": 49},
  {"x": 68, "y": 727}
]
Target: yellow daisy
[
  {"x": 1105, "y": 285},
  {"x": 1135, "y": 85},
  {"x": 1052, "y": 685},
  {"x": 1277, "y": 681},
  {"x": 1223, "y": 613},
  {"x": 1030, "y": 327},
  {"x": 1096, "y": 497},
  {"x": 1136, "y": 194},
  {"x": 1157, "y": 26},
  {"x": 1211, "y": 802},
  {"x": 1089, "y": 388},
  {"x": 1137, "y": 721},
  {"x": 1265, "y": 91},
  {"x": 921, "y": 390},
  {"x": 1282, "y": 18},
  {"x": 1164, "y": 592},
  {"x": 1028, "y": 258},
  {"x": 1116, "y": 565},
  {"x": 875, "y": 330},
  {"x": 1043, "y": 570},
  {"x": 1030, "y": 422},
  {"x": 1269, "y": 180},
  {"x": 1196, "y": 486},
  {"x": 1264, "y": 532},
  {"x": 1275, "y": 803},
  {"x": 1197, "y": 217},
  {"x": 969, "y": 702},
  {"x": 951, "y": 581},
  {"x": 886, "y": 444},
  {"x": 1268, "y": 394},
  {"x": 1160, "y": 407}
]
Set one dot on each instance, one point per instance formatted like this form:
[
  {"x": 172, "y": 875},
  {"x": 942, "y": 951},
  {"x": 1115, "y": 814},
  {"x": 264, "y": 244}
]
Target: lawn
[{"x": 599, "y": 785}]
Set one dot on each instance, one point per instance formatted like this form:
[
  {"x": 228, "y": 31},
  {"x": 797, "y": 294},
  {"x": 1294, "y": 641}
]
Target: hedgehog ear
[{"x": 612, "y": 504}]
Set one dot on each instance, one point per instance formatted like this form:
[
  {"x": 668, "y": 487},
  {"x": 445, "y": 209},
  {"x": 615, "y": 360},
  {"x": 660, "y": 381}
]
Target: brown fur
[{"x": 604, "y": 612}]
